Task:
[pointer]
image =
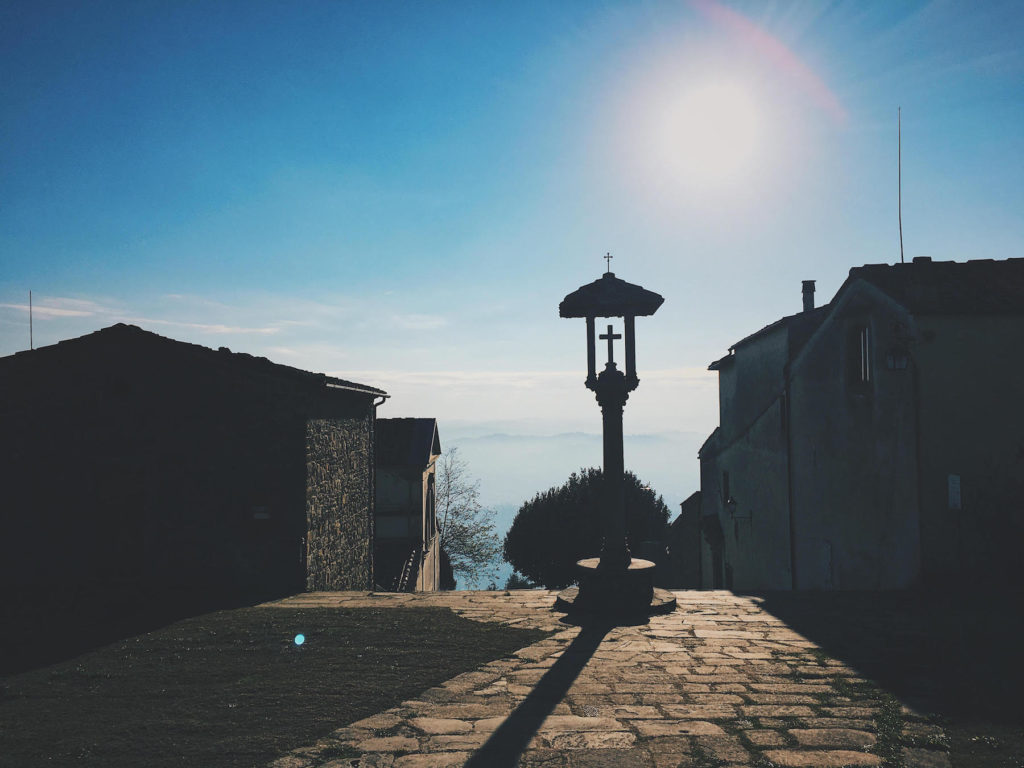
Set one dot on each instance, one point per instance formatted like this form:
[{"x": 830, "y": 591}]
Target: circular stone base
[
  {"x": 628, "y": 592},
  {"x": 662, "y": 601}
]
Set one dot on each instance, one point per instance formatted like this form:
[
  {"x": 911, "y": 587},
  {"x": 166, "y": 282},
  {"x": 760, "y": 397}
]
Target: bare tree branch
[{"x": 466, "y": 527}]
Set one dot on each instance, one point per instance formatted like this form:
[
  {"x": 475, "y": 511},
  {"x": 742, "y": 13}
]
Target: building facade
[
  {"x": 408, "y": 544},
  {"x": 136, "y": 464},
  {"x": 680, "y": 564},
  {"x": 876, "y": 442}
]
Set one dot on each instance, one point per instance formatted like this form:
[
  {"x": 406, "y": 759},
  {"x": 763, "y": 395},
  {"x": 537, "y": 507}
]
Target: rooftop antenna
[
  {"x": 899, "y": 176},
  {"x": 31, "y": 343}
]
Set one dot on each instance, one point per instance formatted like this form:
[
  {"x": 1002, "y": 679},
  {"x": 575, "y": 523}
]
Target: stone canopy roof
[{"x": 610, "y": 297}]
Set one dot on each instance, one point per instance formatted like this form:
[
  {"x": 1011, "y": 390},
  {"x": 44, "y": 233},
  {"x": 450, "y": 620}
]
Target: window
[
  {"x": 725, "y": 485},
  {"x": 896, "y": 360},
  {"x": 864, "y": 338},
  {"x": 859, "y": 368}
]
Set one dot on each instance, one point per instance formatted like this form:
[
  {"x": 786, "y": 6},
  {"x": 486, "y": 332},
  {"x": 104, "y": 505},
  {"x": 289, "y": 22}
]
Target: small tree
[
  {"x": 515, "y": 581},
  {"x": 466, "y": 527},
  {"x": 562, "y": 525}
]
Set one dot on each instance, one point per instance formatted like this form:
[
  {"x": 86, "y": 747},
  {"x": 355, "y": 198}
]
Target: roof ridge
[{"x": 244, "y": 358}]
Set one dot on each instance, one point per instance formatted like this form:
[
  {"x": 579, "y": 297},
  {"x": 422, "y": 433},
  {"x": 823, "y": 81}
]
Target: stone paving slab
[{"x": 717, "y": 682}]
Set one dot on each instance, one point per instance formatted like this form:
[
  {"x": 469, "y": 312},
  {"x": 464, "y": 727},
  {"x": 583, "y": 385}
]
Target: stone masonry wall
[{"x": 339, "y": 503}]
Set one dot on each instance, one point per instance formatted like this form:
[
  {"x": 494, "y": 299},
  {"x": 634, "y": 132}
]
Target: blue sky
[{"x": 401, "y": 193}]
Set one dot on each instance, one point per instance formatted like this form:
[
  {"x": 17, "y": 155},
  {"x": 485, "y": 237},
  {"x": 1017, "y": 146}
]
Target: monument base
[{"x": 610, "y": 593}]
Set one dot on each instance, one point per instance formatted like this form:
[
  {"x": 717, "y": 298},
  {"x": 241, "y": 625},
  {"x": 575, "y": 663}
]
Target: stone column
[
  {"x": 591, "y": 355},
  {"x": 611, "y": 396}
]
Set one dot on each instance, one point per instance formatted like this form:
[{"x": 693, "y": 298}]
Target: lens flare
[{"x": 300, "y": 639}]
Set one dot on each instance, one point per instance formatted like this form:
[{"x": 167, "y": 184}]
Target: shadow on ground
[
  {"x": 232, "y": 689},
  {"x": 38, "y": 634},
  {"x": 504, "y": 747},
  {"x": 952, "y": 654}
]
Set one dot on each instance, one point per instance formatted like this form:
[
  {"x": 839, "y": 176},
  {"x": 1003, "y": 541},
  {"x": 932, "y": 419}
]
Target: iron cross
[
  {"x": 608, "y": 260},
  {"x": 611, "y": 337}
]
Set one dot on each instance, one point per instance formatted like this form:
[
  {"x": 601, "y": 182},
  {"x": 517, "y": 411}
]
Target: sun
[{"x": 710, "y": 134}]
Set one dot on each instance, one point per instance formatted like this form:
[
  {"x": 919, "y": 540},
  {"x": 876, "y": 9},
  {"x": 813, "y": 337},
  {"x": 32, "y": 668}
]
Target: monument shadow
[{"x": 508, "y": 742}]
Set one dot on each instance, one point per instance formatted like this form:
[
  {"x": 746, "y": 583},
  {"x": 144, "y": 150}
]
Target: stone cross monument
[{"x": 615, "y": 582}]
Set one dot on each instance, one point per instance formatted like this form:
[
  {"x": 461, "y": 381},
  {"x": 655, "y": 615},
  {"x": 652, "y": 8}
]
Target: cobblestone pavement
[{"x": 718, "y": 682}]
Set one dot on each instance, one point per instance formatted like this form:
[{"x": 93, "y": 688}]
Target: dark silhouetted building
[
  {"x": 408, "y": 552},
  {"x": 136, "y": 467},
  {"x": 876, "y": 442},
  {"x": 679, "y": 566}
]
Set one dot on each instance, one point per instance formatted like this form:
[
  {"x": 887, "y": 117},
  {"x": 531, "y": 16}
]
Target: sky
[{"x": 400, "y": 193}]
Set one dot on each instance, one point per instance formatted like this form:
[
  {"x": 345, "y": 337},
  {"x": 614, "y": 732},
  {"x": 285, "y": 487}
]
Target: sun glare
[{"x": 711, "y": 134}]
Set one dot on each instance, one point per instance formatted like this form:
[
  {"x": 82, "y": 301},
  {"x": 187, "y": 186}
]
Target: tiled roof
[
  {"x": 801, "y": 325},
  {"x": 721, "y": 362},
  {"x": 127, "y": 335},
  {"x": 926, "y": 287},
  {"x": 710, "y": 444},
  {"x": 407, "y": 442}
]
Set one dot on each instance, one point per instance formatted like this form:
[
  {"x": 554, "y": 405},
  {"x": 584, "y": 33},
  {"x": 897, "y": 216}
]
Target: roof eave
[
  {"x": 360, "y": 388},
  {"x": 722, "y": 362}
]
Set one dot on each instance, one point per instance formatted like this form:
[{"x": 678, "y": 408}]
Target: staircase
[{"x": 409, "y": 571}]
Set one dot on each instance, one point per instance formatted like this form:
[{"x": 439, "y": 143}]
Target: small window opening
[{"x": 896, "y": 360}]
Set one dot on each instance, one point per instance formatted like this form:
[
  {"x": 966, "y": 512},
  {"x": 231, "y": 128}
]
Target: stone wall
[{"x": 339, "y": 503}]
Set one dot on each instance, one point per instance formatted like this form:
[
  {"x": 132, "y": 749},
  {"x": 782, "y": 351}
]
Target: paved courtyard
[{"x": 718, "y": 682}]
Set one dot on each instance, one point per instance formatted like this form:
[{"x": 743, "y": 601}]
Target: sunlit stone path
[{"x": 718, "y": 682}]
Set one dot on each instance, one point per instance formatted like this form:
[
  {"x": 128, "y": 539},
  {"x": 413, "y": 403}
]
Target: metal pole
[{"x": 899, "y": 175}]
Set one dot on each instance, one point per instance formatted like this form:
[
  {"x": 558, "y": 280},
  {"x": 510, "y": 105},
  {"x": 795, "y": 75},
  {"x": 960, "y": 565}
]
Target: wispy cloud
[
  {"x": 190, "y": 313},
  {"x": 306, "y": 354},
  {"x": 481, "y": 379},
  {"x": 413, "y": 322},
  {"x": 45, "y": 311},
  {"x": 205, "y": 327},
  {"x": 523, "y": 379},
  {"x": 60, "y": 306},
  {"x": 186, "y": 298}
]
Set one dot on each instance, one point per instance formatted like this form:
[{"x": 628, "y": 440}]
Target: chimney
[{"x": 808, "y": 295}]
